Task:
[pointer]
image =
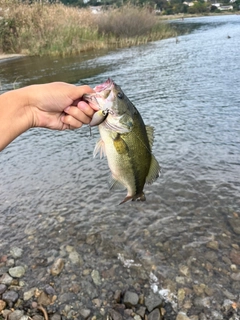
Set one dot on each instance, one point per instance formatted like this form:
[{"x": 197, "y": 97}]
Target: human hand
[{"x": 59, "y": 105}]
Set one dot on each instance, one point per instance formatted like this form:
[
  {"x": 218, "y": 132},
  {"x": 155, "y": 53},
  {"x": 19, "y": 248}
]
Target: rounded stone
[
  {"x": 10, "y": 297},
  {"x": 2, "y": 305},
  {"x": 6, "y": 279},
  {"x": 130, "y": 298},
  {"x": 17, "y": 272},
  {"x": 16, "y": 252},
  {"x": 3, "y": 288},
  {"x": 57, "y": 267}
]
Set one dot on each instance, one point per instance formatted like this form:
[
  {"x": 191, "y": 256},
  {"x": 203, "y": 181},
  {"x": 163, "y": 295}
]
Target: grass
[{"x": 60, "y": 30}]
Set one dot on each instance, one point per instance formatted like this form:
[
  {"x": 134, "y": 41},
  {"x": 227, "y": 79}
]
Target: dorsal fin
[{"x": 150, "y": 131}]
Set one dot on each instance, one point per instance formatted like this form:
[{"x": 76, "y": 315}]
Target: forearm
[{"x": 15, "y": 115}]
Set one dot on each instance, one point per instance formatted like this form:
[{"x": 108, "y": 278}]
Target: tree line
[{"x": 160, "y": 6}]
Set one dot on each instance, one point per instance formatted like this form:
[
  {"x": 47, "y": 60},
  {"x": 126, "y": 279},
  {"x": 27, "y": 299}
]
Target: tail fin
[{"x": 138, "y": 197}]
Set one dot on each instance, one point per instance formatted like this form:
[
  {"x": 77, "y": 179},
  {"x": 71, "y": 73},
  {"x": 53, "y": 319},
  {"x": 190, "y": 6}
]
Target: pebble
[
  {"x": 6, "y": 279},
  {"x": 235, "y": 257},
  {"x": 56, "y": 316},
  {"x": 29, "y": 294},
  {"x": 15, "y": 315},
  {"x": 182, "y": 316},
  {"x": 16, "y": 252},
  {"x": 141, "y": 311},
  {"x": 235, "y": 276},
  {"x": 153, "y": 301},
  {"x": 115, "y": 315},
  {"x": 96, "y": 277},
  {"x": 75, "y": 258},
  {"x": 130, "y": 298},
  {"x": 3, "y": 288},
  {"x": 2, "y": 305},
  {"x": 202, "y": 302},
  {"x": 213, "y": 245},
  {"x": 17, "y": 272},
  {"x": 44, "y": 299},
  {"x": 85, "y": 313},
  {"x": 57, "y": 267},
  {"x": 10, "y": 297},
  {"x": 235, "y": 224},
  {"x": 154, "y": 315}
]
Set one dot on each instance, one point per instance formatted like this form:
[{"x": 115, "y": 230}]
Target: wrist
[{"x": 16, "y": 115}]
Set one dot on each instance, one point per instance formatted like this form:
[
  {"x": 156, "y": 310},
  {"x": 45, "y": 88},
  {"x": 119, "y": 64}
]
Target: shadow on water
[{"x": 28, "y": 70}]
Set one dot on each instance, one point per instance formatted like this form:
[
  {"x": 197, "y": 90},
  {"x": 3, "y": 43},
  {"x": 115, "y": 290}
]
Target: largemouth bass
[{"x": 125, "y": 140}]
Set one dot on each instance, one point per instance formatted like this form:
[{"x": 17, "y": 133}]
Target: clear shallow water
[{"x": 52, "y": 192}]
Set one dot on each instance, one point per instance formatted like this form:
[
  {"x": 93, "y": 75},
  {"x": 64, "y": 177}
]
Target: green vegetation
[{"x": 56, "y": 29}]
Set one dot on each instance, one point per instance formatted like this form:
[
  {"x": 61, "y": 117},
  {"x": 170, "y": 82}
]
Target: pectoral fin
[
  {"x": 154, "y": 171},
  {"x": 120, "y": 145},
  {"x": 99, "y": 148}
]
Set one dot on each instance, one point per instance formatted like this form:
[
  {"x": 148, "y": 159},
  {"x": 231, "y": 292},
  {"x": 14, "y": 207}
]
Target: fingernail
[{"x": 66, "y": 109}]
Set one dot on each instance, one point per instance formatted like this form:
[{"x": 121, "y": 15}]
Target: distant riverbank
[{"x": 62, "y": 31}]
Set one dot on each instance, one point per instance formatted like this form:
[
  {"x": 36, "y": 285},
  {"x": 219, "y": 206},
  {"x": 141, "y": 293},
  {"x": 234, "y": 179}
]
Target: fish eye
[{"x": 120, "y": 95}]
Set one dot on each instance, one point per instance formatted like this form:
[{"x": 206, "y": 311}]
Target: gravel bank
[{"x": 68, "y": 287}]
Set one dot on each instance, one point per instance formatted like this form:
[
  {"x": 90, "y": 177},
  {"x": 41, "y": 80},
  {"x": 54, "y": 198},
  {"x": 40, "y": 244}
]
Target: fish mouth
[
  {"x": 107, "y": 85},
  {"x": 102, "y": 91}
]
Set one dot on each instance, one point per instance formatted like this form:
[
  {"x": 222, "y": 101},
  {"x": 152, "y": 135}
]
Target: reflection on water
[{"x": 51, "y": 187}]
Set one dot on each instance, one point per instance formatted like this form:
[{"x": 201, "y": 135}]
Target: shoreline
[{"x": 5, "y": 56}]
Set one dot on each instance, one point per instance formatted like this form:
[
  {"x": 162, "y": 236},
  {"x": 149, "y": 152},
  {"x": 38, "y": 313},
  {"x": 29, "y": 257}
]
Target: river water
[{"x": 53, "y": 193}]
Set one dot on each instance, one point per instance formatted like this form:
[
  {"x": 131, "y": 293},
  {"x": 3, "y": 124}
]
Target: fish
[{"x": 124, "y": 139}]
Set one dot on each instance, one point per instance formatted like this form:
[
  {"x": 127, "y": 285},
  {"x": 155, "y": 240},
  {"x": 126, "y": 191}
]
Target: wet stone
[
  {"x": 36, "y": 317},
  {"x": 29, "y": 294},
  {"x": 15, "y": 315},
  {"x": 10, "y": 263},
  {"x": 44, "y": 299},
  {"x": 202, "y": 302},
  {"x": 235, "y": 276},
  {"x": 130, "y": 298},
  {"x": 6, "y": 279},
  {"x": 216, "y": 315},
  {"x": 96, "y": 277},
  {"x": 68, "y": 296},
  {"x": 117, "y": 296},
  {"x": 10, "y": 297},
  {"x": 85, "y": 313},
  {"x": 49, "y": 290},
  {"x": 16, "y": 252},
  {"x": 141, "y": 311},
  {"x": 3, "y": 288},
  {"x": 235, "y": 256},
  {"x": 17, "y": 272},
  {"x": 153, "y": 301},
  {"x": 57, "y": 267},
  {"x": 55, "y": 316},
  {"x": 213, "y": 245},
  {"x": 2, "y": 305},
  {"x": 182, "y": 316},
  {"x": 75, "y": 258},
  {"x": 115, "y": 315},
  {"x": 235, "y": 224},
  {"x": 154, "y": 315}
]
